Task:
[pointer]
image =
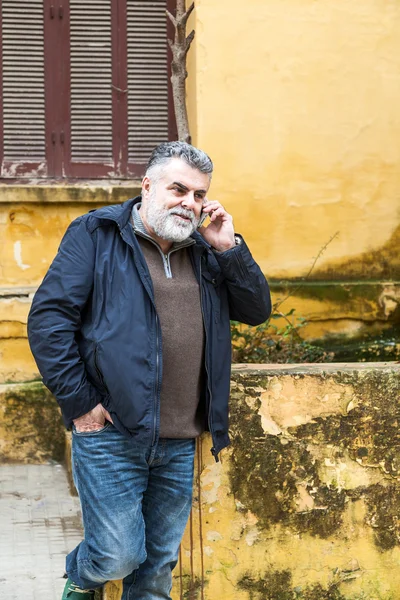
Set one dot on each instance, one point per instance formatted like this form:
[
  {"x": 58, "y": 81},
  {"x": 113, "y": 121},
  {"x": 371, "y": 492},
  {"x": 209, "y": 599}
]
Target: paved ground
[{"x": 39, "y": 525}]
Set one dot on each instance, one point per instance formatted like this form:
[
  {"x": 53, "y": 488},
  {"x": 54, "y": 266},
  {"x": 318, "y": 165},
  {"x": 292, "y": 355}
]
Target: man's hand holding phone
[{"x": 219, "y": 233}]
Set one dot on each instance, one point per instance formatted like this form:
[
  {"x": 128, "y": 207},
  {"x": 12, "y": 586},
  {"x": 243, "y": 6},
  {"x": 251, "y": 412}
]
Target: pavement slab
[{"x": 40, "y": 522}]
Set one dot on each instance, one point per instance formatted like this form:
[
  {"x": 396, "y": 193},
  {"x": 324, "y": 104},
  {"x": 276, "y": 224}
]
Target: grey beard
[{"x": 166, "y": 226}]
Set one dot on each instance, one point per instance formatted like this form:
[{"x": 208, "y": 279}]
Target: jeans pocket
[{"x": 107, "y": 425}]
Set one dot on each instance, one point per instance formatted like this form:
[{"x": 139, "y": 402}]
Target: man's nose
[{"x": 189, "y": 201}]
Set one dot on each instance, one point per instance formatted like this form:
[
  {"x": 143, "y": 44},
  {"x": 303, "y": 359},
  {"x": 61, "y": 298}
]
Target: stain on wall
[
  {"x": 305, "y": 502},
  {"x": 312, "y": 513},
  {"x": 281, "y": 473},
  {"x": 31, "y": 427}
]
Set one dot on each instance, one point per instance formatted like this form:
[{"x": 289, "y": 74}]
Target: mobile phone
[{"x": 203, "y": 217}]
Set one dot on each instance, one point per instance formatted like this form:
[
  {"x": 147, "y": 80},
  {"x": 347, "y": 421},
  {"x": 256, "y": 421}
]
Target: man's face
[{"x": 172, "y": 204}]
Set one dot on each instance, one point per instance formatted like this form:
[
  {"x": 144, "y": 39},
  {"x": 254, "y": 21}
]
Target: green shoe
[{"x": 73, "y": 592}]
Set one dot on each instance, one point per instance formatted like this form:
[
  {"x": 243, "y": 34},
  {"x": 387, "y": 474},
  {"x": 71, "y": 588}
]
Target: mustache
[{"x": 184, "y": 212}]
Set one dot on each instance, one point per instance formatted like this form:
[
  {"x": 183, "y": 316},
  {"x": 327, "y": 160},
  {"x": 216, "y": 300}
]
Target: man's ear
[{"x": 146, "y": 184}]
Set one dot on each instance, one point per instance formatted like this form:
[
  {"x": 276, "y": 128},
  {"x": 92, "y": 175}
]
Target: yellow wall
[
  {"x": 33, "y": 219},
  {"x": 307, "y": 497},
  {"x": 298, "y": 104}
]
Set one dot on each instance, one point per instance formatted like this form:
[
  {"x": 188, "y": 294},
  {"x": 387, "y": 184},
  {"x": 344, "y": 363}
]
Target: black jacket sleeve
[
  {"x": 55, "y": 318},
  {"x": 248, "y": 290}
]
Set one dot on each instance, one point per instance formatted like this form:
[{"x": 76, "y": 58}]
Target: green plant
[{"x": 272, "y": 342}]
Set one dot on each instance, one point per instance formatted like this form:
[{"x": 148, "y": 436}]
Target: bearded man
[{"x": 130, "y": 330}]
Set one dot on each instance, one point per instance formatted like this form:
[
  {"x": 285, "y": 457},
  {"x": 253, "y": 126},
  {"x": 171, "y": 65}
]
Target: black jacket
[{"x": 94, "y": 331}]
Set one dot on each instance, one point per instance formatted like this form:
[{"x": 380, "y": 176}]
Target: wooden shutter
[
  {"x": 23, "y": 147},
  {"x": 84, "y": 87},
  {"x": 90, "y": 134},
  {"x": 148, "y": 82}
]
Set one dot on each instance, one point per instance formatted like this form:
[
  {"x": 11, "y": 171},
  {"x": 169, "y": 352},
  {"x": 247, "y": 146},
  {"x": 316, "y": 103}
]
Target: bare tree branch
[
  {"x": 316, "y": 259},
  {"x": 189, "y": 40},
  {"x": 187, "y": 14},
  {"x": 171, "y": 18},
  {"x": 179, "y": 49}
]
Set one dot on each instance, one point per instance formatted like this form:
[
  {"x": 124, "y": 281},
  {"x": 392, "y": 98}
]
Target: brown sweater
[{"x": 177, "y": 299}]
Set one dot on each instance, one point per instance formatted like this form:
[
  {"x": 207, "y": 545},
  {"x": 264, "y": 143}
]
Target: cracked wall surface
[{"x": 305, "y": 502}]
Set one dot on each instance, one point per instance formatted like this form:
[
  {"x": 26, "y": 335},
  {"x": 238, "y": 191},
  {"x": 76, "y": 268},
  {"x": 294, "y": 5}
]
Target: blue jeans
[{"x": 135, "y": 505}]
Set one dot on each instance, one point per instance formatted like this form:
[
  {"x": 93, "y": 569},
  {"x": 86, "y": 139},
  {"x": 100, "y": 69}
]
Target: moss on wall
[
  {"x": 266, "y": 476},
  {"x": 278, "y": 585},
  {"x": 381, "y": 263},
  {"x": 31, "y": 428}
]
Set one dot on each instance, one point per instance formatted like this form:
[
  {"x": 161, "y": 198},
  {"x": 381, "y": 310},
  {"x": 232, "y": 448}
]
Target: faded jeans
[{"x": 135, "y": 505}]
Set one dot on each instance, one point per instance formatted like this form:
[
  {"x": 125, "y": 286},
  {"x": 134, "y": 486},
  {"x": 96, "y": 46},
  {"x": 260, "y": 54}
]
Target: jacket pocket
[
  {"x": 98, "y": 370},
  {"x": 107, "y": 424}
]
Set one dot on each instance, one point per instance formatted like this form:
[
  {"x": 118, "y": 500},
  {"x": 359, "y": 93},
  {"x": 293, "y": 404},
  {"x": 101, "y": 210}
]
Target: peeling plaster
[
  {"x": 294, "y": 401},
  {"x": 210, "y": 483},
  {"x": 389, "y": 299},
  {"x": 18, "y": 256}
]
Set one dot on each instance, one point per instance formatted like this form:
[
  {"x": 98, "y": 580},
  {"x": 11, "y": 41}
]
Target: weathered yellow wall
[
  {"x": 31, "y": 428},
  {"x": 305, "y": 500},
  {"x": 33, "y": 219},
  {"x": 31, "y": 232},
  {"x": 298, "y": 103},
  {"x": 307, "y": 497}
]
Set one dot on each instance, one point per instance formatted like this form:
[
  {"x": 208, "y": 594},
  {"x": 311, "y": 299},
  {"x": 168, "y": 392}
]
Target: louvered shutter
[
  {"x": 148, "y": 82},
  {"x": 23, "y": 139},
  {"x": 85, "y": 91},
  {"x": 90, "y": 132}
]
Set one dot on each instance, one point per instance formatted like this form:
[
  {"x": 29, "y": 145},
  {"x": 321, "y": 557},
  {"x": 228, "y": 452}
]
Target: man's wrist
[{"x": 236, "y": 242}]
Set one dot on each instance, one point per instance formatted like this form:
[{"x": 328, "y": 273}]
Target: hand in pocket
[{"x": 93, "y": 420}]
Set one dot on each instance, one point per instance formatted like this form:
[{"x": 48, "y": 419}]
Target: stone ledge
[
  {"x": 91, "y": 192},
  {"x": 315, "y": 368},
  {"x": 305, "y": 502}
]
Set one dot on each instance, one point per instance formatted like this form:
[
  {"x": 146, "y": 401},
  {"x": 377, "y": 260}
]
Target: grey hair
[{"x": 163, "y": 153}]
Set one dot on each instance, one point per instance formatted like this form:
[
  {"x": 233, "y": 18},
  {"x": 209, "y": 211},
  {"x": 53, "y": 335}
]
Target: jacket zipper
[
  {"x": 213, "y": 452},
  {"x": 157, "y": 382},
  {"x": 157, "y": 346},
  {"x": 165, "y": 257}
]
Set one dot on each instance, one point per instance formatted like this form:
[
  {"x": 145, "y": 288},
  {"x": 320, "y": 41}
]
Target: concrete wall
[
  {"x": 305, "y": 502},
  {"x": 307, "y": 498},
  {"x": 33, "y": 219},
  {"x": 298, "y": 103}
]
